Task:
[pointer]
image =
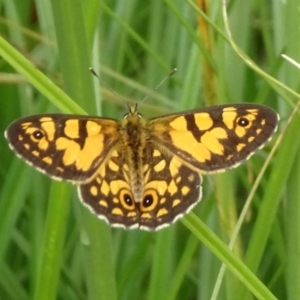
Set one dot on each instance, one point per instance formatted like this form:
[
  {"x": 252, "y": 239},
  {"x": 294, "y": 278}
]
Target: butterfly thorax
[{"x": 133, "y": 145}]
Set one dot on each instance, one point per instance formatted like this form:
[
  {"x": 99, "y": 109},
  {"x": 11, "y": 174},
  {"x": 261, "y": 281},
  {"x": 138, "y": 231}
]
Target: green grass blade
[
  {"x": 292, "y": 234},
  {"x": 233, "y": 263},
  {"x": 70, "y": 31},
  {"x": 38, "y": 79},
  {"x": 52, "y": 248},
  {"x": 273, "y": 191}
]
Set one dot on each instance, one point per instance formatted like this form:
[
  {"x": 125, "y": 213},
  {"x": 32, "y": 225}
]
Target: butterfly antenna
[
  {"x": 107, "y": 86},
  {"x": 155, "y": 89},
  {"x": 120, "y": 98}
]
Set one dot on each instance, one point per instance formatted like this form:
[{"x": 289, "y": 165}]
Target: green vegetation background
[{"x": 53, "y": 248}]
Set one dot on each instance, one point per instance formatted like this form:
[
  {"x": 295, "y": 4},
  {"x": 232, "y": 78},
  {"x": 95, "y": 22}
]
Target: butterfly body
[
  {"x": 138, "y": 173},
  {"x": 134, "y": 148}
]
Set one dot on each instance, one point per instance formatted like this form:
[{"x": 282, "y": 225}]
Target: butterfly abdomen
[{"x": 133, "y": 143}]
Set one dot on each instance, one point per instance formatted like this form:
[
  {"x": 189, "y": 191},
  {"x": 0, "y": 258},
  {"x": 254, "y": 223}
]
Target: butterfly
[{"x": 138, "y": 173}]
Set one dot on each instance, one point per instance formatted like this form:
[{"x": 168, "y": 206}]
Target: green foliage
[{"x": 53, "y": 248}]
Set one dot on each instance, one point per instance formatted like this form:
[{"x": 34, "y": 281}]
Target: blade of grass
[
  {"x": 162, "y": 260},
  {"x": 12, "y": 200},
  {"x": 74, "y": 60},
  {"x": 11, "y": 285},
  {"x": 273, "y": 191},
  {"x": 51, "y": 257},
  {"x": 182, "y": 267},
  {"x": 292, "y": 233},
  {"x": 38, "y": 79},
  {"x": 71, "y": 30},
  {"x": 233, "y": 263},
  {"x": 136, "y": 37}
]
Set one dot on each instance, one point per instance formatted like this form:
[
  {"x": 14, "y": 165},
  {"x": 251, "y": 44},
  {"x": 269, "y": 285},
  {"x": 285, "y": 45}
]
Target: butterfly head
[{"x": 132, "y": 111}]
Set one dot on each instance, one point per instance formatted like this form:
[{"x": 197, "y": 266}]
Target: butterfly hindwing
[
  {"x": 170, "y": 190},
  {"x": 68, "y": 147}
]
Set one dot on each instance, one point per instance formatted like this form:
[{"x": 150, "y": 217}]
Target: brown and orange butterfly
[{"x": 139, "y": 173}]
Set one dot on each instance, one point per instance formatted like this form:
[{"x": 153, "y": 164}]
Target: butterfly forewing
[
  {"x": 215, "y": 138},
  {"x": 67, "y": 147}
]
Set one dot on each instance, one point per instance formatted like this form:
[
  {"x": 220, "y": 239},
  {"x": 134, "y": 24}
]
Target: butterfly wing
[
  {"x": 215, "y": 138},
  {"x": 68, "y": 147},
  {"x": 170, "y": 190},
  {"x": 95, "y": 153}
]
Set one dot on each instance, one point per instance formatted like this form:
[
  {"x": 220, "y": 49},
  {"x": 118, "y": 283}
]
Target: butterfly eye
[
  {"x": 243, "y": 122},
  {"x": 125, "y": 116},
  {"x": 140, "y": 116},
  {"x": 38, "y": 135}
]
